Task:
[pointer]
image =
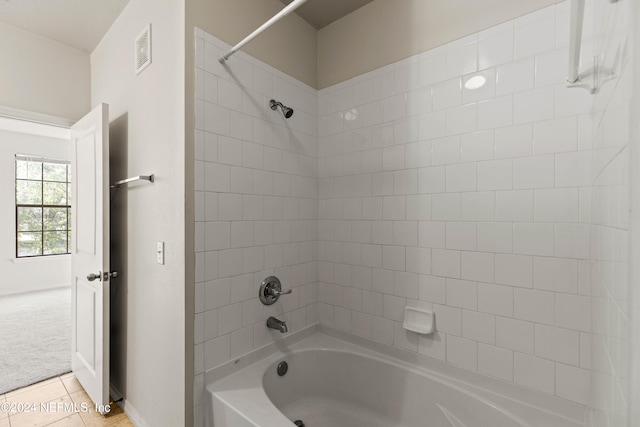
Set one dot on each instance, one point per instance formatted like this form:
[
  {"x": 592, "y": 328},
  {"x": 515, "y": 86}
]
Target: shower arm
[{"x": 284, "y": 12}]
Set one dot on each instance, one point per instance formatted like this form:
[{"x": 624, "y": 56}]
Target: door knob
[{"x": 100, "y": 276}]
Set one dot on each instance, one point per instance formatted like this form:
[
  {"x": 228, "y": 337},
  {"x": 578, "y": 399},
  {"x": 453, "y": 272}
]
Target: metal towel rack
[{"x": 120, "y": 183}]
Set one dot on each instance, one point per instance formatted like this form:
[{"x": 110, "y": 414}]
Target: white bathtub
[{"x": 333, "y": 383}]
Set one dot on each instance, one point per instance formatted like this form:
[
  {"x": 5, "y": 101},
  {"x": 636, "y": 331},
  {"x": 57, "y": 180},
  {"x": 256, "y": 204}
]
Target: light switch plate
[{"x": 160, "y": 253}]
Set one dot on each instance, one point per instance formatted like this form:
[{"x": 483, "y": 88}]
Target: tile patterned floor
[{"x": 54, "y": 401}]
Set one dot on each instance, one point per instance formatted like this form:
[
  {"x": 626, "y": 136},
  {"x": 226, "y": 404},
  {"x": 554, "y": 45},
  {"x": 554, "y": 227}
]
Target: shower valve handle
[
  {"x": 270, "y": 290},
  {"x": 276, "y": 292}
]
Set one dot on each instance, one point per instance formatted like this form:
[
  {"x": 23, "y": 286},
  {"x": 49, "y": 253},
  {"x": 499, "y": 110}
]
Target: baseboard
[{"x": 127, "y": 407}]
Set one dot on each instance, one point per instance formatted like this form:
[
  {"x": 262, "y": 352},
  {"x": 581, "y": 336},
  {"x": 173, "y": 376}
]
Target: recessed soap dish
[{"x": 419, "y": 320}]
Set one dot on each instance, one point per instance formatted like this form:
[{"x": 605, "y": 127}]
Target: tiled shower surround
[
  {"x": 475, "y": 203},
  {"x": 403, "y": 187},
  {"x": 256, "y": 204}
]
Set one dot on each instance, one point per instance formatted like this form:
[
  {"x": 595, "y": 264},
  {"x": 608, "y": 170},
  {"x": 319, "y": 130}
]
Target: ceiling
[
  {"x": 77, "y": 23},
  {"x": 321, "y": 13},
  {"x": 83, "y": 23}
]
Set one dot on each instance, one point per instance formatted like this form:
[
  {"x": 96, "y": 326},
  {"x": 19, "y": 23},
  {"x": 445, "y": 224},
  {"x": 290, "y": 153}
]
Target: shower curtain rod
[{"x": 284, "y": 12}]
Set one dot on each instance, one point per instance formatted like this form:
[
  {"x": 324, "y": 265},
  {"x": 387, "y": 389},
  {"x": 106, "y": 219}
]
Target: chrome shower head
[{"x": 286, "y": 111}]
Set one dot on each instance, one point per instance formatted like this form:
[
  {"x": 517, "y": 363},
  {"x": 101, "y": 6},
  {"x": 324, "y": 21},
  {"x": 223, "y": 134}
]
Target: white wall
[
  {"x": 473, "y": 203},
  {"x": 24, "y": 275},
  {"x": 255, "y": 205},
  {"x": 43, "y": 76},
  {"x": 147, "y": 136}
]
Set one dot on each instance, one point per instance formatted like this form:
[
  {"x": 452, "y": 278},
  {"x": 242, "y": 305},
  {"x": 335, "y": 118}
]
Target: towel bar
[{"x": 120, "y": 183}]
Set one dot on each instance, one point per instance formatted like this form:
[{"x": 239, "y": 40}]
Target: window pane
[
  {"x": 55, "y": 219},
  {"x": 39, "y": 230},
  {"x": 55, "y": 193},
  {"x": 29, "y": 219},
  {"x": 35, "y": 170},
  {"x": 21, "y": 169},
  {"x": 54, "y": 172},
  {"x": 28, "y": 192},
  {"x": 55, "y": 242},
  {"x": 29, "y": 244}
]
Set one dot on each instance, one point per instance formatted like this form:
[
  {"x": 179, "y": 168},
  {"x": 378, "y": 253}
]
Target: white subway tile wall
[
  {"x": 256, "y": 186},
  {"x": 472, "y": 202}
]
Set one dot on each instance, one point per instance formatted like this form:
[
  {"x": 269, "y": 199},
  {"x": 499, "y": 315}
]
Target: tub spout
[{"x": 280, "y": 325}]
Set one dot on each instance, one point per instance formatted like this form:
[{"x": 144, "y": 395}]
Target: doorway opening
[{"x": 35, "y": 293}]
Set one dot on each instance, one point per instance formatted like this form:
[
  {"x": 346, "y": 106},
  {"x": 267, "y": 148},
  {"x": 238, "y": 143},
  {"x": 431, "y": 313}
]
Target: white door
[{"x": 90, "y": 272}]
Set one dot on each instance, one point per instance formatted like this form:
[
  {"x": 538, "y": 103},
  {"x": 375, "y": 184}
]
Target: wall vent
[{"x": 143, "y": 49}]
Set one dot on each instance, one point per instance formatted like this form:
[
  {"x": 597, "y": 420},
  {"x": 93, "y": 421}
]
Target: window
[{"x": 43, "y": 210}]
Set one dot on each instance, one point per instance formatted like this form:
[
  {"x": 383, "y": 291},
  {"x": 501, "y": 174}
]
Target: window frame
[{"x": 42, "y": 205}]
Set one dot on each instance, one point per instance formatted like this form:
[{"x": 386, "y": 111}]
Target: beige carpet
[{"x": 35, "y": 337}]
